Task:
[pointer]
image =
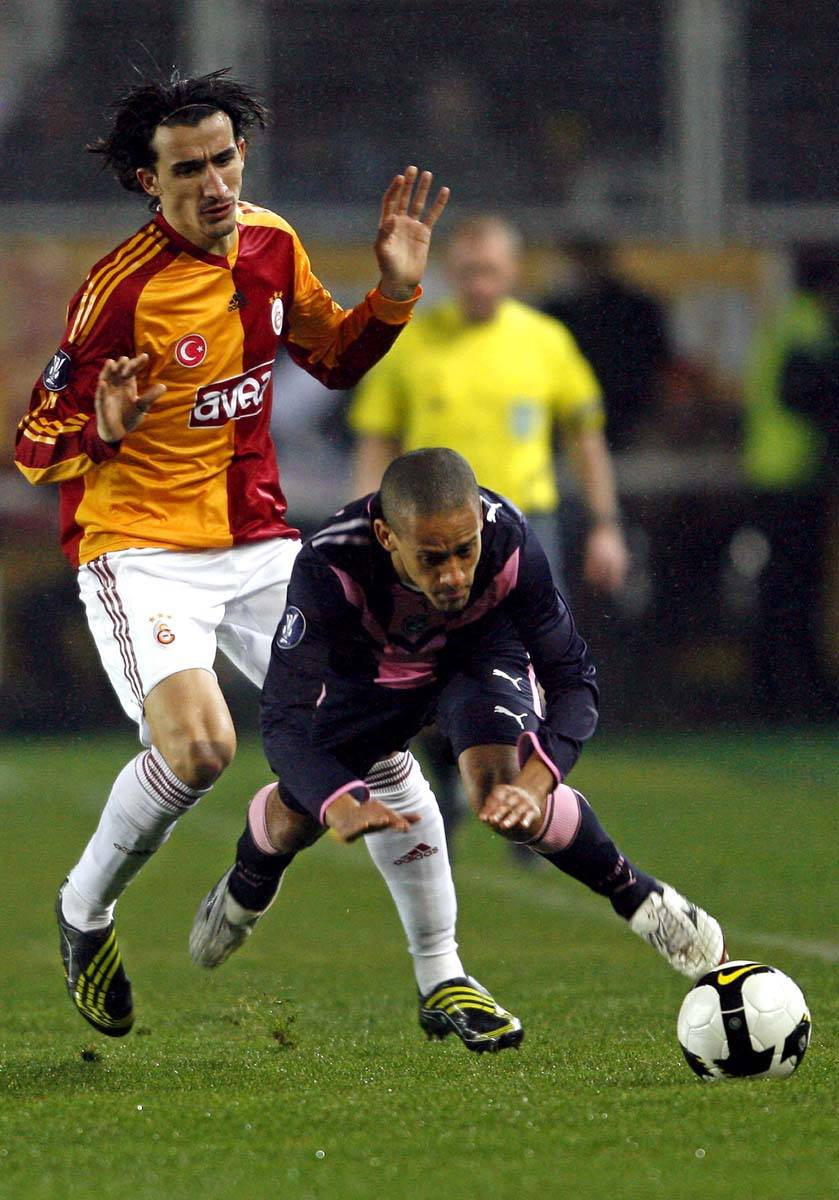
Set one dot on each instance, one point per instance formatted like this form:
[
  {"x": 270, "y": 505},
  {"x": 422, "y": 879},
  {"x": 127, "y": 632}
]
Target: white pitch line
[
  {"x": 211, "y": 824},
  {"x": 826, "y": 951},
  {"x": 525, "y": 890},
  {"x": 538, "y": 893},
  {"x": 9, "y": 778}
]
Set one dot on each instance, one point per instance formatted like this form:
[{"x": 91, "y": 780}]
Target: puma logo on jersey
[
  {"x": 520, "y": 717},
  {"x": 231, "y": 399},
  {"x": 492, "y": 509},
  {"x": 515, "y": 680}
]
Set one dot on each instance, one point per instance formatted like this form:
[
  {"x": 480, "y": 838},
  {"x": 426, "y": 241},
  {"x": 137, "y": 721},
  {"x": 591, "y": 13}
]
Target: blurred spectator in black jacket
[{"x": 620, "y": 330}]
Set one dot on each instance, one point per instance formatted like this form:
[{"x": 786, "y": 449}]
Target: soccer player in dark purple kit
[{"x": 432, "y": 600}]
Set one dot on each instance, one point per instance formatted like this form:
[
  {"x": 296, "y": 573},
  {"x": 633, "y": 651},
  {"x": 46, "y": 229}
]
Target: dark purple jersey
[{"x": 361, "y": 661}]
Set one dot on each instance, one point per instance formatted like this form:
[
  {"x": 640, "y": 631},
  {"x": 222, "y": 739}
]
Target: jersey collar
[{"x": 182, "y": 243}]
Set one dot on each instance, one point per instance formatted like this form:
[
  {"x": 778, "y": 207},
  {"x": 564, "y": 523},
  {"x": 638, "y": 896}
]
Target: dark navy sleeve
[
  {"x": 310, "y": 631},
  {"x": 560, "y": 660}
]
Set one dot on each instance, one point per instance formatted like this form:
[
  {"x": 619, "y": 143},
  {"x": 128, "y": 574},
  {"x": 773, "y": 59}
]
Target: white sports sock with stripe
[
  {"x": 415, "y": 866},
  {"x": 144, "y": 805}
]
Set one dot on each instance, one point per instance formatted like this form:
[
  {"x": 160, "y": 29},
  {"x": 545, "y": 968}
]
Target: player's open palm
[
  {"x": 120, "y": 406},
  {"x": 405, "y": 232}
]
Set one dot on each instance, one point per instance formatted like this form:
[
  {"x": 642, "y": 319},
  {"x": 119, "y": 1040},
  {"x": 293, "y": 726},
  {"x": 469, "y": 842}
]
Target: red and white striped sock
[{"x": 144, "y": 805}]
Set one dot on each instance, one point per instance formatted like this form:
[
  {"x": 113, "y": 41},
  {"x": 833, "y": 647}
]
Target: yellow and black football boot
[
  {"x": 464, "y": 1007},
  {"x": 95, "y": 976}
]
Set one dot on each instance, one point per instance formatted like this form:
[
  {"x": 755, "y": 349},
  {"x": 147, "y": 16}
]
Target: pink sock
[
  {"x": 258, "y": 820},
  {"x": 561, "y": 823}
]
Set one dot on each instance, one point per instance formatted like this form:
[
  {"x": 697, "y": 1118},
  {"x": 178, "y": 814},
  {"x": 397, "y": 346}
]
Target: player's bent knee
[
  {"x": 288, "y": 829},
  {"x": 199, "y": 762}
]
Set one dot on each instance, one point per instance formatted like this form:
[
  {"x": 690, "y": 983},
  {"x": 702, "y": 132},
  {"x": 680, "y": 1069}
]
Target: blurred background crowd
[{"x": 673, "y": 169}]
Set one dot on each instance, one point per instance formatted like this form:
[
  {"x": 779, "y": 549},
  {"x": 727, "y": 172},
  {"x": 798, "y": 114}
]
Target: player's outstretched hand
[
  {"x": 350, "y": 820},
  {"x": 512, "y": 812},
  {"x": 119, "y": 406},
  {"x": 405, "y": 232}
]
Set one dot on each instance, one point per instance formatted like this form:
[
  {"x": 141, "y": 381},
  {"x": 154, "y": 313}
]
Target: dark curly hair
[{"x": 139, "y": 111}]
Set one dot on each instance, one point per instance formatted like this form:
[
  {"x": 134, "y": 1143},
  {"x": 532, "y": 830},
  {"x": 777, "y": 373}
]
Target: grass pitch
[{"x": 298, "y": 1069}]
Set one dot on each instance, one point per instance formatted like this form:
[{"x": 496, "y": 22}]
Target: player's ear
[
  {"x": 384, "y": 534},
  {"x": 242, "y": 147},
  {"x": 148, "y": 181}
]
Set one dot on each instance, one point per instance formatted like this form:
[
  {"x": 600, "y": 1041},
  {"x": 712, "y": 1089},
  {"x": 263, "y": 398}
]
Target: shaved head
[{"x": 427, "y": 483}]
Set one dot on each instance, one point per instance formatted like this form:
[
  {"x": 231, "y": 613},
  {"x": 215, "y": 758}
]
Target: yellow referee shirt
[{"x": 491, "y": 390}]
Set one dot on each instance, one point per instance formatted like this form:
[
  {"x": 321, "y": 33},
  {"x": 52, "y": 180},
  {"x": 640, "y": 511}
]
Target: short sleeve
[{"x": 577, "y": 396}]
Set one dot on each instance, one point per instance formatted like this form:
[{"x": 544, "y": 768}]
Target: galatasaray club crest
[
  {"x": 162, "y": 631},
  {"x": 277, "y": 313},
  {"x": 191, "y": 350}
]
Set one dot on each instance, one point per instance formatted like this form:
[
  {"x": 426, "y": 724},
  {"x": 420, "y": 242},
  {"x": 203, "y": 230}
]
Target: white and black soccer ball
[{"x": 743, "y": 1020}]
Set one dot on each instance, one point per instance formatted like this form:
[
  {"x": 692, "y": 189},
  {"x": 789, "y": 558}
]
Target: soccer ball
[{"x": 744, "y": 1019}]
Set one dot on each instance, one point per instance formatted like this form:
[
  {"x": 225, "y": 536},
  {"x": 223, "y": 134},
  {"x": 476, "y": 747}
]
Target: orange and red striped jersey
[{"x": 200, "y": 471}]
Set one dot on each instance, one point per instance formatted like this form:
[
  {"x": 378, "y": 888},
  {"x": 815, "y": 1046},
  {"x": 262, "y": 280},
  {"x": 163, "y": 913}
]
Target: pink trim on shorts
[
  {"x": 529, "y": 738},
  {"x": 258, "y": 820},
  {"x": 355, "y": 785},
  {"x": 561, "y": 824}
]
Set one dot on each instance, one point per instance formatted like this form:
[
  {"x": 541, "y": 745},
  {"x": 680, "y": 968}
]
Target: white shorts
[{"x": 153, "y": 612}]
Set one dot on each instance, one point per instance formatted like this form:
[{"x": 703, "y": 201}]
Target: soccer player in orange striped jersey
[{"x": 152, "y": 417}]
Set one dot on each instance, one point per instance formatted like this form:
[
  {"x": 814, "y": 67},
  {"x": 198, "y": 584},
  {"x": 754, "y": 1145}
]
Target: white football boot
[
  {"x": 221, "y": 925},
  {"x": 690, "y": 939}
]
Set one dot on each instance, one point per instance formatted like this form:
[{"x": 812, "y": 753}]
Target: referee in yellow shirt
[{"x": 496, "y": 380}]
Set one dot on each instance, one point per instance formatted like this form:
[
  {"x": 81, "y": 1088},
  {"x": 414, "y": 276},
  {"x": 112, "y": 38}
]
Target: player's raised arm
[
  {"x": 337, "y": 347},
  {"x": 404, "y": 235}
]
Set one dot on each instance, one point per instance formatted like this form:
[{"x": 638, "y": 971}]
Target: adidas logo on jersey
[
  {"x": 231, "y": 399},
  {"x": 421, "y": 850}
]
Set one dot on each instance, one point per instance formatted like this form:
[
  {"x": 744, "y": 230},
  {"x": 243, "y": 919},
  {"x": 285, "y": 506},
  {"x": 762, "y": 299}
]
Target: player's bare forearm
[
  {"x": 607, "y": 557},
  {"x": 404, "y": 236},
  {"x": 592, "y": 465}
]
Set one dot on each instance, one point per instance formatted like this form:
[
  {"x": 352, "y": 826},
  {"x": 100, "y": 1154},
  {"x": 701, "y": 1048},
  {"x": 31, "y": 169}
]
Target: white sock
[
  {"x": 415, "y": 866},
  {"x": 144, "y": 805}
]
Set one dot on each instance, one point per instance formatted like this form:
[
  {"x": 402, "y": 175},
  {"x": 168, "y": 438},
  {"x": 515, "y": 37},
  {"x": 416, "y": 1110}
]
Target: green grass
[{"x": 298, "y": 1070}]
